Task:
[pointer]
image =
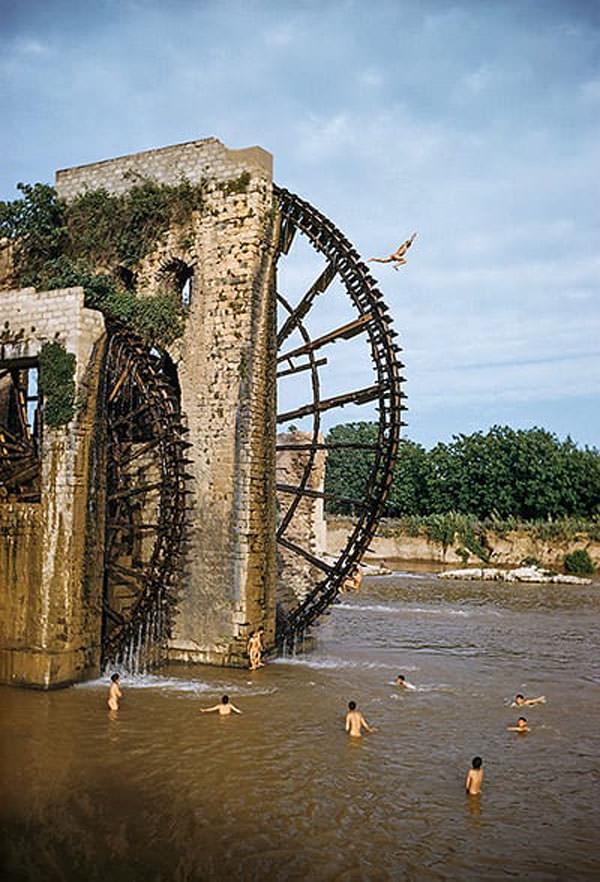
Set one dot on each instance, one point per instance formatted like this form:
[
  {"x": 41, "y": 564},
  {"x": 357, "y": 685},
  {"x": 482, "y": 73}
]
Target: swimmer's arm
[
  {"x": 235, "y": 709},
  {"x": 541, "y": 699},
  {"x": 468, "y": 781},
  {"x": 208, "y": 710},
  {"x": 366, "y": 725},
  {"x": 347, "y": 722}
]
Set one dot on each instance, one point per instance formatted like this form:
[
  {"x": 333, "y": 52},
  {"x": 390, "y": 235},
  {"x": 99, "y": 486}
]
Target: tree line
[{"x": 522, "y": 473}]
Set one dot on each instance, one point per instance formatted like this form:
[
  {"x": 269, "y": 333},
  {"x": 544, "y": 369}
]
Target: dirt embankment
[{"x": 510, "y": 549}]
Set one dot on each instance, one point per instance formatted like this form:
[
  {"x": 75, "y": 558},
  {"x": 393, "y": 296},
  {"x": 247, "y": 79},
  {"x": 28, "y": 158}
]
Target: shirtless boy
[
  {"x": 114, "y": 693},
  {"x": 255, "y": 648},
  {"x": 223, "y": 709},
  {"x": 520, "y": 727},
  {"x": 403, "y": 683},
  {"x": 355, "y": 721},
  {"x": 521, "y": 701},
  {"x": 474, "y": 777}
]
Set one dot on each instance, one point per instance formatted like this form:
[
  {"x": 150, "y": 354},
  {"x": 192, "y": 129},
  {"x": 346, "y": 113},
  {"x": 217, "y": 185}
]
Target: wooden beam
[
  {"x": 345, "y": 332},
  {"x": 360, "y": 396}
]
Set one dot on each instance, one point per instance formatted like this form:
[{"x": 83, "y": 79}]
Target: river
[{"x": 281, "y": 793}]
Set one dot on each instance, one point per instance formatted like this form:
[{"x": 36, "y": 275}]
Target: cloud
[{"x": 473, "y": 125}]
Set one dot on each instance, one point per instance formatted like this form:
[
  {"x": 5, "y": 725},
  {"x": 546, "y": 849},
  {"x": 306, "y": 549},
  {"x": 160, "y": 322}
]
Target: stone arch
[{"x": 178, "y": 276}]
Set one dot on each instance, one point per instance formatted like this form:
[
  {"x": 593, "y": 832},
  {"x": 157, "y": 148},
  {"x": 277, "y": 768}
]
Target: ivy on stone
[
  {"x": 57, "y": 383},
  {"x": 83, "y": 242}
]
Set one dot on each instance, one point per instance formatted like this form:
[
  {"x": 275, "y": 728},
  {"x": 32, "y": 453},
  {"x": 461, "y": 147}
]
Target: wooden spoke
[
  {"x": 345, "y": 332},
  {"x": 360, "y": 396},
  {"x": 302, "y": 367},
  {"x": 327, "y": 445},
  {"x": 297, "y": 549},
  {"x": 304, "y": 306},
  {"x": 294, "y": 489},
  {"x": 343, "y": 262}
]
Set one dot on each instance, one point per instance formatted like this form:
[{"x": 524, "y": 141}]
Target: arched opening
[
  {"x": 178, "y": 277},
  {"x": 126, "y": 277}
]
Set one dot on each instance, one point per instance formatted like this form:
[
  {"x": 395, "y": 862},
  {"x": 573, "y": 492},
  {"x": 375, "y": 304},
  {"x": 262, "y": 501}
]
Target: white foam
[
  {"x": 175, "y": 684},
  {"x": 399, "y": 608},
  {"x": 330, "y": 663}
]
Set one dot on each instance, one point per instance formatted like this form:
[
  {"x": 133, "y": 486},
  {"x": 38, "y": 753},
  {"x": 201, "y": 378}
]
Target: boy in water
[
  {"x": 474, "y": 777},
  {"x": 355, "y": 721},
  {"x": 403, "y": 683},
  {"x": 224, "y": 709},
  {"x": 520, "y": 727},
  {"x": 521, "y": 701},
  {"x": 114, "y": 693}
]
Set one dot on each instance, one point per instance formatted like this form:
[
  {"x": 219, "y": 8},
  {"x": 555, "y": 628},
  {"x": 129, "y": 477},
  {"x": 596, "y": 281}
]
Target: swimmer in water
[
  {"x": 403, "y": 683},
  {"x": 521, "y": 701},
  {"x": 355, "y": 721},
  {"x": 224, "y": 709},
  {"x": 114, "y": 693},
  {"x": 521, "y": 726},
  {"x": 474, "y": 777}
]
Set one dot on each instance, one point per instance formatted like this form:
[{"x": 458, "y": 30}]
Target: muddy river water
[{"x": 281, "y": 793}]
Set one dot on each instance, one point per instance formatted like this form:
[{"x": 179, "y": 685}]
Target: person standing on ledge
[
  {"x": 114, "y": 693},
  {"x": 255, "y": 650},
  {"x": 352, "y": 582},
  {"x": 355, "y": 722}
]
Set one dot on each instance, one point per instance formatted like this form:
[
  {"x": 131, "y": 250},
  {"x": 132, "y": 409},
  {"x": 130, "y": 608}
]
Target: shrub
[
  {"x": 57, "y": 384},
  {"x": 579, "y": 562}
]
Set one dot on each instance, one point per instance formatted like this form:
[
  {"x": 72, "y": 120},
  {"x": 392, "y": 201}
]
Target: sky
[{"x": 476, "y": 124}]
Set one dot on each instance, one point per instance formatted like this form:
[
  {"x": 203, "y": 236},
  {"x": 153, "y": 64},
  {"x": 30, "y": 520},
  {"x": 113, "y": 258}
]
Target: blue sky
[{"x": 475, "y": 123}]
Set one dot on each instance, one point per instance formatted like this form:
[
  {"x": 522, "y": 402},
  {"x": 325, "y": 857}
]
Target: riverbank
[{"x": 451, "y": 540}]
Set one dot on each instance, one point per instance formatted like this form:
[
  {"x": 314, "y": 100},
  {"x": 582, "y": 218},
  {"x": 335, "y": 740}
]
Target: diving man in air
[{"x": 397, "y": 258}]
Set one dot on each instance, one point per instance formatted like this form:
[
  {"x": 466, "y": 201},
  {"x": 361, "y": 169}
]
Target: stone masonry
[
  {"x": 51, "y": 553},
  {"x": 50, "y": 560},
  {"x": 226, "y": 369}
]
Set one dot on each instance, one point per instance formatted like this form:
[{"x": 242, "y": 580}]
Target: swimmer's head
[
  {"x": 114, "y": 678},
  {"x": 476, "y": 762},
  {"x": 519, "y": 699},
  {"x": 400, "y": 678},
  {"x": 225, "y": 699},
  {"x": 522, "y": 721},
  {"x": 352, "y": 705}
]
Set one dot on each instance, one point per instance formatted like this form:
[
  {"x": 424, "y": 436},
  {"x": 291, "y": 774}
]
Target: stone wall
[
  {"x": 226, "y": 369},
  {"x": 50, "y": 559}
]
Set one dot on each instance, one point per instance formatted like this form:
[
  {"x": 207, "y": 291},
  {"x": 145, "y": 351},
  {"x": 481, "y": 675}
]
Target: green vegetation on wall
[
  {"x": 579, "y": 562},
  {"x": 502, "y": 474},
  {"x": 57, "y": 384},
  {"x": 96, "y": 241}
]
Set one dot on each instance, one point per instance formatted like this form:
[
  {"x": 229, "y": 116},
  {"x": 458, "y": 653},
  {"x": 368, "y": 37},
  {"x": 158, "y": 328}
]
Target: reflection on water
[{"x": 163, "y": 792}]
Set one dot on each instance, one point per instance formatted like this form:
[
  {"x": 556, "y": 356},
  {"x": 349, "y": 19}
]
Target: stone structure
[
  {"x": 91, "y": 552},
  {"x": 50, "y": 556},
  {"x": 226, "y": 373}
]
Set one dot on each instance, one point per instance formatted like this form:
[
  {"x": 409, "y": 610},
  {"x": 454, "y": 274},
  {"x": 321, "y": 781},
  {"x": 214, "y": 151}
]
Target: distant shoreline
[{"x": 397, "y": 540}]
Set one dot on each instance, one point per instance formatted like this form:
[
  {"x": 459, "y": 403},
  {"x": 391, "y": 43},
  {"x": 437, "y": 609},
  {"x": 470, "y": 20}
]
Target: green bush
[
  {"x": 500, "y": 479},
  {"x": 57, "y": 384},
  {"x": 579, "y": 562},
  {"x": 61, "y": 245}
]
